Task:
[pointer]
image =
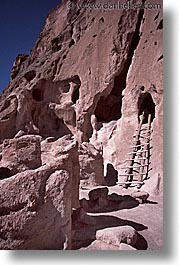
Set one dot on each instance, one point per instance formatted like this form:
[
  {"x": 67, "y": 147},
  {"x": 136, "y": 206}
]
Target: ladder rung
[
  {"x": 138, "y": 145},
  {"x": 140, "y": 158},
  {"x": 146, "y": 165},
  {"x": 139, "y": 152},
  {"x": 146, "y": 130},
  {"x": 130, "y": 182},
  {"x": 142, "y": 136},
  {"x": 131, "y": 174}
]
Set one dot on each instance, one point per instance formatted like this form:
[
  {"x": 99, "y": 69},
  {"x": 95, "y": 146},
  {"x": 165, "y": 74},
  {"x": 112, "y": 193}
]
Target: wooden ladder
[{"x": 137, "y": 165}]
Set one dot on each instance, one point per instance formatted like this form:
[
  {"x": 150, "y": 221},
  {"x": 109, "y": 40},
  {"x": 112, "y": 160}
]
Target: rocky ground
[{"x": 120, "y": 212}]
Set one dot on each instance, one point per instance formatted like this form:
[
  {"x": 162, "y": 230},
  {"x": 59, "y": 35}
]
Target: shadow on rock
[
  {"x": 113, "y": 202},
  {"x": 111, "y": 177},
  {"x": 84, "y": 234},
  {"x": 141, "y": 243}
]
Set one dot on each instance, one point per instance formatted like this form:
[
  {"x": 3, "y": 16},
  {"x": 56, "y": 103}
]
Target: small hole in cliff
[
  {"x": 146, "y": 105},
  {"x": 72, "y": 42},
  {"x": 30, "y": 75},
  {"x": 5, "y": 173},
  {"x": 64, "y": 57},
  {"x": 75, "y": 95},
  {"x": 160, "y": 58},
  {"x": 76, "y": 83},
  {"x": 78, "y": 12},
  {"x": 55, "y": 44},
  {"x": 155, "y": 43},
  {"x": 156, "y": 16},
  {"x": 37, "y": 95},
  {"x": 160, "y": 25},
  {"x": 66, "y": 88},
  {"x": 95, "y": 35},
  {"x": 101, "y": 20}
]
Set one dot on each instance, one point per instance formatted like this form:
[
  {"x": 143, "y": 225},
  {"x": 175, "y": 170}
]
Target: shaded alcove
[
  {"x": 75, "y": 95},
  {"x": 146, "y": 105},
  {"x": 37, "y": 94},
  {"x": 76, "y": 82},
  {"x": 5, "y": 173},
  {"x": 111, "y": 175},
  {"x": 109, "y": 108},
  {"x": 30, "y": 75},
  {"x": 47, "y": 123}
]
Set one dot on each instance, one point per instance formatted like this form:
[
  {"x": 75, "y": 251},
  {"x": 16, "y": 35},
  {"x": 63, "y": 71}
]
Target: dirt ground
[{"x": 146, "y": 219}]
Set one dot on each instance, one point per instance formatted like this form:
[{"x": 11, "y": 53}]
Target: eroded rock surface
[
  {"x": 36, "y": 205},
  {"x": 68, "y": 118}
]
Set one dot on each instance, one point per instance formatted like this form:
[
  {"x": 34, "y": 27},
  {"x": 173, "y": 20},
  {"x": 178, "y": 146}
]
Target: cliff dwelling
[{"x": 81, "y": 145}]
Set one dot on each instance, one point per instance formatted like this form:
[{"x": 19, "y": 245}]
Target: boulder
[
  {"x": 97, "y": 193},
  {"x": 141, "y": 196},
  {"x": 124, "y": 246},
  {"x": 117, "y": 235},
  {"x": 100, "y": 245}
]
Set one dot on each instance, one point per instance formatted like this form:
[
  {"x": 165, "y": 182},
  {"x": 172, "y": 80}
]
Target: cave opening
[
  {"x": 5, "y": 173},
  {"x": 111, "y": 177},
  {"x": 146, "y": 105},
  {"x": 75, "y": 95},
  {"x": 76, "y": 83},
  {"x": 37, "y": 94},
  {"x": 30, "y": 75},
  {"x": 109, "y": 108}
]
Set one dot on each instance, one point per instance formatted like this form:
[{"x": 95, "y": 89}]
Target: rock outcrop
[
  {"x": 91, "y": 165},
  {"x": 36, "y": 204},
  {"x": 74, "y": 108}
]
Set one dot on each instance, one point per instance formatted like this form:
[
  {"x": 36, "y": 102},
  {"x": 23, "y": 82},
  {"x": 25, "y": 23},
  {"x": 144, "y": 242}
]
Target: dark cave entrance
[
  {"x": 37, "y": 94},
  {"x": 146, "y": 105},
  {"x": 109, "y": 108},
  {"x": 111, "y": 177},
  {"x": 5, "y": 173},
  {"x": 75, "y": 95},
  {"x": 76, "y": 82}
]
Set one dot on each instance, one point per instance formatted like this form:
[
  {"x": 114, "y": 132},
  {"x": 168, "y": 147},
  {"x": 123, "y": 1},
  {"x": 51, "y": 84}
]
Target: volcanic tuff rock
[
  {"x": 36, "y": 205},
  {"x": 70, "y": 111}
]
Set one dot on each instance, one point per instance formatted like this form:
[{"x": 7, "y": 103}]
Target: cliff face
[{"x": 92, "y": 74}]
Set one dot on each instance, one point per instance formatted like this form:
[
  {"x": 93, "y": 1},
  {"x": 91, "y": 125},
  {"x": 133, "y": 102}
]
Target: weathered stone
[
  {"x": 142, "y": 196},
  {"x": 81, "y": 216},
  {"x": 100, "y": 245},
  {"x": 124, "y": 246},
  {"x": 97, "y": 193},
  {"x": 18, "y": 65},
  {"x": 91, "y": 165},
  {"x": 102, "y": 202},
  {"x": 50, "y": 153},
  {"x": 117, "y": 235},
  {"x": 22, "y": 153},
  {"x": 36, "y": 212}
]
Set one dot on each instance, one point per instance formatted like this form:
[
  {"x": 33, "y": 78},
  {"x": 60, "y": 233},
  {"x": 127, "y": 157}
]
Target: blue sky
[{"x": 20, "y": 24}]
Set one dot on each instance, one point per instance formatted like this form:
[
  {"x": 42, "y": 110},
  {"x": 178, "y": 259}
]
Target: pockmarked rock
[{"x": 117, "y": 235}]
